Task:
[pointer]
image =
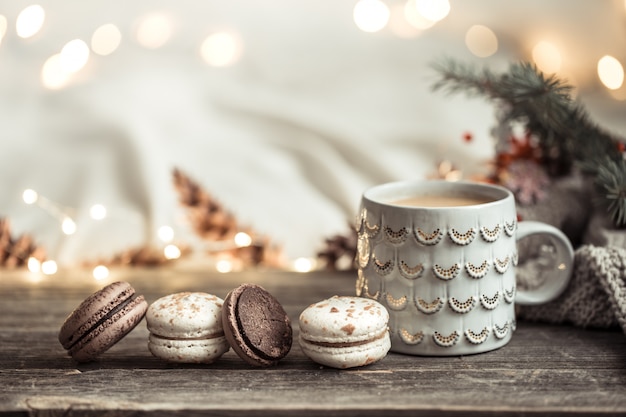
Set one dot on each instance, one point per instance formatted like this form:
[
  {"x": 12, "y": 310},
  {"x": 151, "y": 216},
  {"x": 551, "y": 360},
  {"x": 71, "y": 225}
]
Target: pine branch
[{"x": 543, "y": 104}]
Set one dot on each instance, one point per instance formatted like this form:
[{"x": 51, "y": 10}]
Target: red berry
[{"x": 467, "y": 136}]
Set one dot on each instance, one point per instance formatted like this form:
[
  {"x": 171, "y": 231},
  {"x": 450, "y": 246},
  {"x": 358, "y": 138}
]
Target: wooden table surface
[{"x": 545, "y": 370}]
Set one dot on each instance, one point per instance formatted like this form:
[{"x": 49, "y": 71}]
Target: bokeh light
[
  {"x": 106, "y": 39},
  {"x": 611, "y": 72},
  {"x": 371, "y": 15},
  {"x": 166, "y": 234},
  {"x": 220, "y": 49},
  {"x": 242, "y": 239},
  {"x": 29, "y": 21},
  {"x": 49, "y": 267},
  {"x": 481, "y": 41},
  {"x": 171, "y": 252},
  {"x": 433, "y": 10},
  {"x": 100, "y": 272},
  {"x": 30, "y": 196},
  {"x": 53, "y": 75},
  {"x": 3, "y": 27},
  {"x": 34, "y": 264},
  {"x": 98, "y": 212},
  {"x": 74, "y": 55},
  {"x": 154, "y": 30},
  {"x": 414, "y": 18},
  {"x": 224, "y": 266},
  {"x": 547, "y": 57},
  {"x": 68, "y": 226}
]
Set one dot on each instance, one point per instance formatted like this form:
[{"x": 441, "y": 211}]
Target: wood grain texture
[{"x": 545, "y": 370}]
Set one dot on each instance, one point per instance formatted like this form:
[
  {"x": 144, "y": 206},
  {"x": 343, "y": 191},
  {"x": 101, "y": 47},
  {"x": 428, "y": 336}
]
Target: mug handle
[{"x": 556, "y": 279}]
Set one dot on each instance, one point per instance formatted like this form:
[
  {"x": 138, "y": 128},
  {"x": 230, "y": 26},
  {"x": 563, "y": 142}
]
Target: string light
[
  {"x": 415, "y": 19},
  {"x": 547, "y": 57},
  {"x": 3, "y": 26},
  {"x": 304, "y": 265},
  {"x": 433, "y": 10},
  {"x": 242, "y": 240},
  {"x": 481, "y": 41},
  {"x": 166, "y": 234},
  {"x": 220, "y": 49},
  {"x": 154, "y": 30},
  {"x": 49, "y": 267},
  {"x": 98, "y": 212},
  {"x": 33, "y": 264},
  {"x": 53, "y": 75},
  {"x": 100, "y": 272},
  {"x": 30, "y": 196},
  {"x": 68, "y": 226},
  {"x": 224, "y": 266},
  {"x": 610, "y": 72},
  {"x": 29, "y": 21},
  {"x": 371, "y": 15},
  {"x": 106, "y": 39},
  {"x": 171, "y": 252},
  {"x": 74, "y": 55}
]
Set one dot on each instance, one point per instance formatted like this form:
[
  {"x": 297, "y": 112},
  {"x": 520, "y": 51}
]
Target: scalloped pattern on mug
[
  {"x": 370, "y": 230},
  {"x": 477, "y": 338},
  {"x": 501, "y": 331},
  {"x": 509, "y": 295},
  {"x": 502, "y": 265},
  {"x": 411, "y": 338},
  {"x": 396, "y": 304},
  {"x": 490, "y": 303},
  {"x": 462, "y": 307},
  {"x": 428, "y": 239},
  {"x": 396, "y": 237},
  {"x": 429, "y": 308},
  {"x": 490, "y": 235},
  {"x": 365, "y": 291},
  {"x": 363, "y": 250},
  {"x": 477, "y": 271},
  {"x": 411, "y": 272},
  {"x": 509, "y": 227},
  {"x": 383, "y": 268},
  {"x": 462, "y": 238},
  {"x": 446, "y": 341},
  {"x": 446, "y": 274},
  {"x": 360, "y": 282}
]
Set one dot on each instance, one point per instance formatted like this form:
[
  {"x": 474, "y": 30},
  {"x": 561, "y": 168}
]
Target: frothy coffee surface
[{"x": 440, "y": 201}]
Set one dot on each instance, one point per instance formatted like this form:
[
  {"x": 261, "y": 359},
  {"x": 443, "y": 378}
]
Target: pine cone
[
  {"x": 340, "y": 252},
  {"x": 215, "y": 224},
  {"x": 145, "y": 256},
  {"x": 15, "y": 253}
]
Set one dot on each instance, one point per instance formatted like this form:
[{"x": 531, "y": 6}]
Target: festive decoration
[
  {"x": 339, "y": 252},
  {"x": 559, "y": 137},
  {"x": 20, "y": 251},
  {"x": 220, "y": 230}
]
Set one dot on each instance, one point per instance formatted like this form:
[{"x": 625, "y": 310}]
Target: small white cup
[{"x": 447, "y": 274}]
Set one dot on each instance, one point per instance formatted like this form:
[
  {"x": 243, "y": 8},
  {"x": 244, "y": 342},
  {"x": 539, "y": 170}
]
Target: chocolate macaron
[
  {"x": 102, "y": 320},
  {"x": 256, "y": 325}
]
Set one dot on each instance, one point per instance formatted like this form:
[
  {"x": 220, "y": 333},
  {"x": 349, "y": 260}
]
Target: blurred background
[{"x": 282, "y": 111}]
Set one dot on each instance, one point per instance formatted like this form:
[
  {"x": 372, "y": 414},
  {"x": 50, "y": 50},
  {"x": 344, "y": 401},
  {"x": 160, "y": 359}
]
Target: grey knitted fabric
[{"x": 596, "y": 295}]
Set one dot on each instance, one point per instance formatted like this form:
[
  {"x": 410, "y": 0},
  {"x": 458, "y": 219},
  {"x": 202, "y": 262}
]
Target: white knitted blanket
[{"x": 596, "y": 295}]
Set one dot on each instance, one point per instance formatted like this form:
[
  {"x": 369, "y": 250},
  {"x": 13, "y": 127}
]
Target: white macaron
[
  {"x": 345, "y": 332},
  {"x": 187, "y": 327}
]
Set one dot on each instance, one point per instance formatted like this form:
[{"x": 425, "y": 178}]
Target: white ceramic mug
[{"x": 447, "y": 273}]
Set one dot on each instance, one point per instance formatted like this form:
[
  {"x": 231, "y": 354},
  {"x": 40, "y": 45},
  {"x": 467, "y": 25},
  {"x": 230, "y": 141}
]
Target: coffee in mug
[{"x": 441, "y": 257}]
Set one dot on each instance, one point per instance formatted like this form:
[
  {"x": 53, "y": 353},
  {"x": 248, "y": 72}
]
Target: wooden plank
[{"x": 545, "y": 370}]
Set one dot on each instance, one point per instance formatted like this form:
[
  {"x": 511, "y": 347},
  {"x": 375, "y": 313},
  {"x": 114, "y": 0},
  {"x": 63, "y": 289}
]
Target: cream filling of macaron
[
  {"x": 346, "y": 344},
  {"x": 206, "y": 337}
]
